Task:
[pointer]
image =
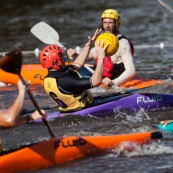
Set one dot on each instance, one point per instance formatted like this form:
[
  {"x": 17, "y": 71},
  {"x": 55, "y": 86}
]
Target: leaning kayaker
[
  {"x": 63, "y": 83},
  {"x": 121, "y": 63},
  {"x": 11, "y": 117}
]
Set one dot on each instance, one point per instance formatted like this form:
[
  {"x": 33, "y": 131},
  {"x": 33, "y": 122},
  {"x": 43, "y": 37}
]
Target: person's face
[{"x": 109, "y": 25}]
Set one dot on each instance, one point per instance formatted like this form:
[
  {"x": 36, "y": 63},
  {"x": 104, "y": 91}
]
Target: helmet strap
[{"x": 55, "y": 62}]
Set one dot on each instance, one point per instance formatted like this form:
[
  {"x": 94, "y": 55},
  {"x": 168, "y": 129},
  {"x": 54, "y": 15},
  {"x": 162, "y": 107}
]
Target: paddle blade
[
  {"x": 12, "y": 62},
  {"x": 45, "y": 33}
]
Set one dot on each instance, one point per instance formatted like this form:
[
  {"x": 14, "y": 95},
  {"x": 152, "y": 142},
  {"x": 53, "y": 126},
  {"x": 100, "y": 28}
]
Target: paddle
[
  {"x": 49, "y": 35},
  {"x": 12, "y": 63},
  {"x": 165, "y": 4}
]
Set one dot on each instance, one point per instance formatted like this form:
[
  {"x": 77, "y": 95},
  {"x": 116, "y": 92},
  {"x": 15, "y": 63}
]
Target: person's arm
[
  {"x": 127, "y": 59},
  {"x": 75, "y": 85},
  {"x": 96, "y": 78},
  {"x": 80, "y": 60},
  {"x": 10, "y": 117},
  {"x": 129, "y": 72}
]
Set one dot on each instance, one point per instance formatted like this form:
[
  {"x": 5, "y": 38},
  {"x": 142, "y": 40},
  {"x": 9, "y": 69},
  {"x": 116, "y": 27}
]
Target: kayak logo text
[
  {"x": 39, "y": 76},
  {"x": 149, "y": 99},
  {"x": 70, "y": 143}
]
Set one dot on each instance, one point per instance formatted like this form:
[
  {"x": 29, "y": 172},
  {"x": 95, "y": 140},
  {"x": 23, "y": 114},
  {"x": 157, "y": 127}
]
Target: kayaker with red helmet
[
  {"x": 63, "y": 83},
  {"x": 120, "y": 67}
]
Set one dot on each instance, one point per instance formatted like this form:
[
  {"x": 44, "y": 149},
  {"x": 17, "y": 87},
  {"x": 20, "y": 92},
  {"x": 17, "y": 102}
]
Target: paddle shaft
[
  {"x": 37, "y": 107},
  {"x": 164, "y": 4}
]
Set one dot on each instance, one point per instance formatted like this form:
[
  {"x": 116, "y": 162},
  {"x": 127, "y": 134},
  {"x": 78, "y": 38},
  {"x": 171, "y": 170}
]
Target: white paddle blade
[
  {"x": 168, "y": 4},
  {"x": 44, "y": 27},
  {"x": 46, "y": 33}
]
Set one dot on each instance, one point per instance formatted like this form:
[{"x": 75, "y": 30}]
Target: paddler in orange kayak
[
  {"x": 11, "y": 116},
  {"x": 118, "y": 68},
  {"x": 64, "y": 84}
]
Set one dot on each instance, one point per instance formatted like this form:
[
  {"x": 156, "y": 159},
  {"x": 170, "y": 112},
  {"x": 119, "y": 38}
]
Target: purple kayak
[{"x": 130, "y": 103}]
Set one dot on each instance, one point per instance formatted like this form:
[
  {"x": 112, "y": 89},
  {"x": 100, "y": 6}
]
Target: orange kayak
[
  {"x": 35, "y": 73},
  {"x": 64, "y": 149}
]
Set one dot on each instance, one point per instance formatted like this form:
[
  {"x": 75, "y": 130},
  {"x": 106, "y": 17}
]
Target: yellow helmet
[{"x": 113, "y": 14}]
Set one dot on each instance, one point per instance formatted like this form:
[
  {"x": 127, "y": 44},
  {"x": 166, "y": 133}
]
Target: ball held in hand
[{"x": 110, "y": 39}]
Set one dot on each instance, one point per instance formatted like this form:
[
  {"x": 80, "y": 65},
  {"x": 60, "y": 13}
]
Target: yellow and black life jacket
[{"x": 67, "y": 102}]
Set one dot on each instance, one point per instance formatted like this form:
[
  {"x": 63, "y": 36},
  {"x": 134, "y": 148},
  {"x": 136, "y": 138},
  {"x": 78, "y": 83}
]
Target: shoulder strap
[
  {"x": 122, "y": 36},
  {"x": 130, "y": 42}
]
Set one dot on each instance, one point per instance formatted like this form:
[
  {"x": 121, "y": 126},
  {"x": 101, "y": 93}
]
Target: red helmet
[{"x": 51, "y": 56}]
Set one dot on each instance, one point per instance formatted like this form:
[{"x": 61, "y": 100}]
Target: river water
[{"x": 147, "y": 23}]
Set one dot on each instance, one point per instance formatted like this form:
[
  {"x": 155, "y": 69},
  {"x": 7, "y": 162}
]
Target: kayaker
[
  {"x": 122, "y": 68},
  {"x": 63, "y": 83},
  {"x": 11, "y": 117}
]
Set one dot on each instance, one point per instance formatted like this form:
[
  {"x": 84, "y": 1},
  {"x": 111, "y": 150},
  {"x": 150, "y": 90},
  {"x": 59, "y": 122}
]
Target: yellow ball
[{"x": 110, "y": 39}]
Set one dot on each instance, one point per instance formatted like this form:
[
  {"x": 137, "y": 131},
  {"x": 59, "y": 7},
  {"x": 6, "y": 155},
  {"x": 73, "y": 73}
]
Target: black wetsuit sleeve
[{"x": 74, "y": 85}]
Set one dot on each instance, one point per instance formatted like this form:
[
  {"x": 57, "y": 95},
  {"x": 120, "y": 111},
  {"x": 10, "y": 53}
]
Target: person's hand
[
  {"x": 107, "y": 81},
  {"x": 165, "y": 123},
  {"x": 92, "y": 40},
  {"x": 36, "y": 115},
  {"x": 71, "y": 53},
  {"x": 21, "y": 87},
  {"x": 100, "y": 49}
]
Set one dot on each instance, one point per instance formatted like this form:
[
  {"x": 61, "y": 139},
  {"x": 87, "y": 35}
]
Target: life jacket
[
  {"x": 66, "y": 102},
  {"x": 108, "y": 67},
  {"x": 108, "y": 64}
]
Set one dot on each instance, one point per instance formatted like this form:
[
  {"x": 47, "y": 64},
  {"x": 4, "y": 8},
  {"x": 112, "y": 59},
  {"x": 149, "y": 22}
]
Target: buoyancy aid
[
  {"x": 66, "y": 102},
  {"x": 109, "y": 65}
]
